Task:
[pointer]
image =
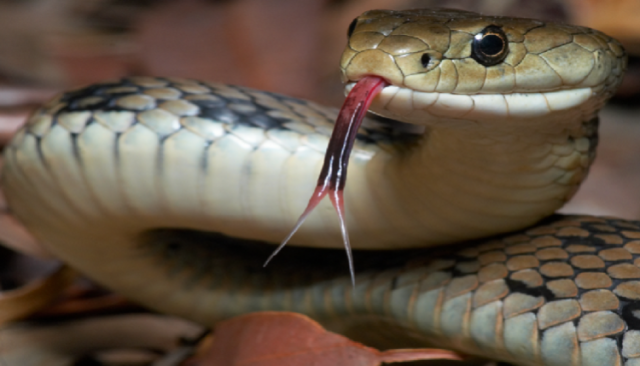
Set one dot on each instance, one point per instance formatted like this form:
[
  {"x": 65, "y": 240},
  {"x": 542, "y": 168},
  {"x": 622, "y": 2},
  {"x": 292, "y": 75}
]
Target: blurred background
[{"x": 286, "y": 46}]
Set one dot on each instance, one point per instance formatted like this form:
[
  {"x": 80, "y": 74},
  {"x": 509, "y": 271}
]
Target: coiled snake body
[{"x": 122, "y": 179}]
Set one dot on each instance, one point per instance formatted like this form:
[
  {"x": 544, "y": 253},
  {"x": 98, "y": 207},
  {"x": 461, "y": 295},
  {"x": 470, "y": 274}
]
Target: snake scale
[{"x": 165, "y": 189}]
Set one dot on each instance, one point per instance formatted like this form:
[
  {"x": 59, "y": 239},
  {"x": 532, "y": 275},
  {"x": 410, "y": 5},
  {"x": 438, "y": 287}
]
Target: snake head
[{"x": 461, "y": 65}]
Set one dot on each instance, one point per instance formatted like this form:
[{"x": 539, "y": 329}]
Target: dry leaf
[
  {"x": 15, "y": 236},
  {"x": 13, "y": 96},
  {"x": 270, "y": 45},
  {"x": 63, "y": 343},
  {"x": 290, "y": 339},
  {"x": 24, "y": 301},
  {"x": 71, "y": 306},
  {"x": 617, "y": 18}
]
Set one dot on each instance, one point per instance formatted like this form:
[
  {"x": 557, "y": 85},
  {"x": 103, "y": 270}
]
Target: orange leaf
[
  {"x": 24, "y": 301},
  {"x": 290, "y": 339}
]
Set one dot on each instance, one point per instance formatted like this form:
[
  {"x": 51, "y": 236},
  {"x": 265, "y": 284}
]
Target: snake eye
[
  {"x": 490, "y": 46},
  {"x": 352, "y": 27}
]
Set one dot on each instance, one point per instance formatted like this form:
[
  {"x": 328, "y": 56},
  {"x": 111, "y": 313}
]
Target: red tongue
[{"x": 334, "y": 170}]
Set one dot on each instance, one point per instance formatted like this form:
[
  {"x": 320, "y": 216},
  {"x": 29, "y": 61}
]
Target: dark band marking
[{"x": 218, "y": 110}]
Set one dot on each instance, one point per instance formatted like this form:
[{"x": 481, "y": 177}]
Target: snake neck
[{"x": 467, "y": 179}]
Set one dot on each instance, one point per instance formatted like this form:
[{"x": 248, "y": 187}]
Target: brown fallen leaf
[
  {"x": 71, "y": 307},
  {"x": 23, "y": 97},
  {"x": 65, "y": 342},
  {"x": 290, "y": 339},
  {"x": 10, "y": 122},
  {"x": 270, "y": 45},
  {"x": 15, "y": 236},
  {"x": 617, "y": 18},
  {"x": 24, "y": 301}
]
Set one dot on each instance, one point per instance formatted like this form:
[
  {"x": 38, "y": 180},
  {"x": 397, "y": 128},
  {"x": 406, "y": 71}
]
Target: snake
[{"x": 169, "y": 190}]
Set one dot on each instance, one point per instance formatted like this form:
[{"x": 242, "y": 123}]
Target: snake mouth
[{"x": 409, "y": 105}]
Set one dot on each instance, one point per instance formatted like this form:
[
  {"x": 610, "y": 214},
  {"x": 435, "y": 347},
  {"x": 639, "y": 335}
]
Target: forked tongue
[{"x": 333, "y": 176}]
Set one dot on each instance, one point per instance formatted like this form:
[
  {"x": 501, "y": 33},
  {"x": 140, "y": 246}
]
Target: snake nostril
[
  {"x": 173, "y": 246},
  {"x": 425, "y": 59}
]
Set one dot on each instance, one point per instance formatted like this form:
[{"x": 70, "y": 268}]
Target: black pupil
[{"x": 491, "y": 45}]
